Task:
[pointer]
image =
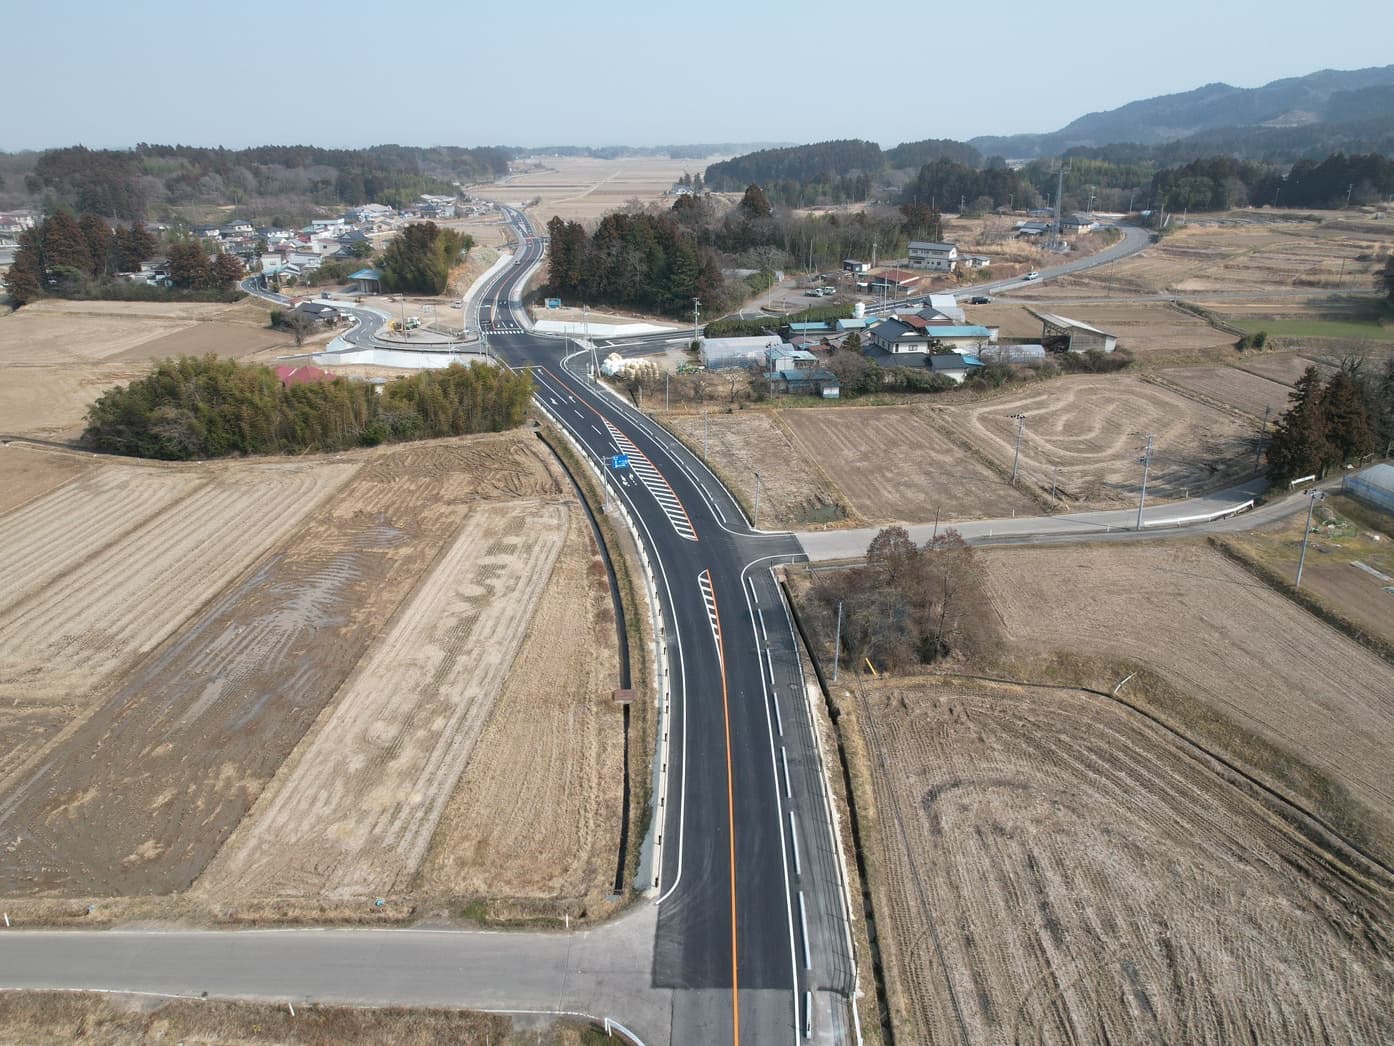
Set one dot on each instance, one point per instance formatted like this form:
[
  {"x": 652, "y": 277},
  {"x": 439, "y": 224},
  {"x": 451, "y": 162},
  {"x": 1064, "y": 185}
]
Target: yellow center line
[{"x": 731, "y": 818}]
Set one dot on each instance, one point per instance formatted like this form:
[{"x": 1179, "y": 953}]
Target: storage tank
[{"x": 859, "y": 311}]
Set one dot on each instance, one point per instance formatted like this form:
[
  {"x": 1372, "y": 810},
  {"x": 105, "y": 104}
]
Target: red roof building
[{"x": 306, "y": 375}]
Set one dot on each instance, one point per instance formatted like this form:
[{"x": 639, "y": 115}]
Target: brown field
[
  {"x": 1049, "y": 867},
  {"x": 1275, "y": 252},
  {"x": 1093, "y": 430},
  {"x": 896, "y": 464},
  {"x": 170, "y": 634},
  {"x": 1283, "y": 367},
  {"x": 59, "y": 356},
  {"x": 582, "y": 189},
  {"x": 1233, "y": 387},
  {"x": 1229, "y": 642},
  {"x": 28, "y": 471},
  {"x": 537, "y": 811},
  {"x": 793, "y": 491},
  {"x": 354, "y": 808}
]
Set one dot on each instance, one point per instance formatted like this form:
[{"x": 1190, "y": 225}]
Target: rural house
[{"x": 941, "y": 257}]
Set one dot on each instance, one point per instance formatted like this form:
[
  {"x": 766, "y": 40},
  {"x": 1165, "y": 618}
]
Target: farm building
[
  {"x": 894, "y": 281},
  {"x": 719, "y": 353},
  {"x": 1015, "y": 354},
  {"x": 1374, "y": 486},
  {"x": 1062, "y": 334}
]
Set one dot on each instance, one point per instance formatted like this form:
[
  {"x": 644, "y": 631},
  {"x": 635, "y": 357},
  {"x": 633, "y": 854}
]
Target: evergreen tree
[
  {"x": 65, "y": 246},
  {"x": 1347, "y": 419},
  {"x": 99, "y": 242},
  {"x": 1300, "y": 446},
  {"x": 25, "y": 279},
  {"x": 226, "y": 271},
  {"x": 188, "y": 265},
  {"x": 1384, "y": 279}
]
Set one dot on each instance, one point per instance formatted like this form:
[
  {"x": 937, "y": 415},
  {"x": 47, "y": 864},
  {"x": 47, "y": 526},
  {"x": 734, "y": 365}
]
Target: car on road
[
  {"x": 1032, "y": 275},
  {"x": 979, "y": 299}
]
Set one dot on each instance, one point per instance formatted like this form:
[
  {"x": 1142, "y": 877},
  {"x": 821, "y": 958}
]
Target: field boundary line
[{"x": 1156, "y": 379}]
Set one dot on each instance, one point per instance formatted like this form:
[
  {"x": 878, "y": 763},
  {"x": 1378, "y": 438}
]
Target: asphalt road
[{"x": 744, "y": 927}]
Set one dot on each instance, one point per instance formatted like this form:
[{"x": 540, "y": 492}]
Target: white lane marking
[
  {"x": 794, "y": 842},
  {"x": 784, "y": 761},
  {"x": 778, "y": 719},
  {"x": 653, "y": 480},
  {"x": 803, "y": 919},
  {"x": 704, "y": 582}
]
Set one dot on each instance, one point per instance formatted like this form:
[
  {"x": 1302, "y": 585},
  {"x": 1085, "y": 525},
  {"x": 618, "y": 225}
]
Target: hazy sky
[{"x": 527, "y": 72}]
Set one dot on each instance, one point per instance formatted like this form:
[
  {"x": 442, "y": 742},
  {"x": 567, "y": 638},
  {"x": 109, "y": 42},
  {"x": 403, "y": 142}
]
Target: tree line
[
  {"x": 205, "y": 407},
  {"x": 126, "y": 183},
  {"x": 78, "y": 257},
  {"x": 804, "y": 175},
  {"x": 1333, "y": 422}
]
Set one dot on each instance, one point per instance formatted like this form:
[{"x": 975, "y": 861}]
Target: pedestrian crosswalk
[
  {"x": 503, "y": 328},
  {"x": 653, "y": 480}
]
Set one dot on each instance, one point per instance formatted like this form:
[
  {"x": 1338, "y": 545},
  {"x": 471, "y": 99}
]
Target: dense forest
[
  {"x": 205, "y": 407},
  {"x": 1334, "y": 421},
  {"x": 138, "y": 183},
  {"x": 804, "y": 175}
]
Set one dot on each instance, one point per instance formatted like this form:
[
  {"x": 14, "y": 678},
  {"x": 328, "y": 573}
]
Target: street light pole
[
  {"x": 1313, "y": 496},
  {"x": 1016, "y": 457},
  {"x": 1146, "y": 467}
]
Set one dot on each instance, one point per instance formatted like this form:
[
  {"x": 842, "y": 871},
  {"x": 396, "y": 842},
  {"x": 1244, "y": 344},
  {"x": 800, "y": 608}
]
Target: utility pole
[
  {"x": 704, "y": 437},
  {"x": 665, "y": 391},
  {"x": 1146, "y": 460},
  {"x": 1016, "y": 457},
  {"x": 873, "y": 254},
  {"x": 837, "y": 640},
  {"x": 1262, "y": 431},
  {"x": 696, "y": 311},
  {"x": 756, "y": 521},
  {"x": 1054, "y": 482},
  {"x": 1313, "y": 496}
]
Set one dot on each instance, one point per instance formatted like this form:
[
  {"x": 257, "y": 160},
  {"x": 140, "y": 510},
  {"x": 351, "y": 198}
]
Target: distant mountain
[{"x": 1218, "y": 112}]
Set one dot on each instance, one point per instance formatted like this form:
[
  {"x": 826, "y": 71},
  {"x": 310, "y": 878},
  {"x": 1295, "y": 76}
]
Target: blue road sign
[{"x": 620, "y": 461}]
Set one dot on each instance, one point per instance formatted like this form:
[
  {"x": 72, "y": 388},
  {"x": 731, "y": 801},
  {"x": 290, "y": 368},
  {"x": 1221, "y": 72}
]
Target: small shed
[
  {"x": 1062, "y": 334},
  {"x": 366, "y": 281},
  {"x": 1374, "y": 486}
]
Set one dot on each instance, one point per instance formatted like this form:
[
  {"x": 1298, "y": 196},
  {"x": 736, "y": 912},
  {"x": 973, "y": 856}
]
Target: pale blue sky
[{"x": 353, "y": 73}]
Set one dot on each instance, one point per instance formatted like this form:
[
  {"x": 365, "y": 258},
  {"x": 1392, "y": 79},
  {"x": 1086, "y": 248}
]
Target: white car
[{"x": 1032, "y": 275}]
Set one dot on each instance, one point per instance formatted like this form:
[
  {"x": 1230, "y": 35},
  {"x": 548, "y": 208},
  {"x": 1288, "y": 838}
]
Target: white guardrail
[
  {"x": 1205, "y": 517},
  {"x": 664, "y": 689}
]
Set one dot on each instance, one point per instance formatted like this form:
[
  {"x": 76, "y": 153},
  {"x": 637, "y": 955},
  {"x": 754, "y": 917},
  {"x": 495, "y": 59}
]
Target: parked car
[
  {"x": 1032, "y": 275},
  {"x": 979, "y": 299}
]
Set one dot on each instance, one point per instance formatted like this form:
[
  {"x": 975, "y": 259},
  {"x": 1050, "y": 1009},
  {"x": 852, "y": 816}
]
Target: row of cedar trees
[
  {"x": 204, "y": 407},
  {"x": 1330, "y": 423},
  {"x": 639, "y": 261},
  {"x": 65, "y": 255}
]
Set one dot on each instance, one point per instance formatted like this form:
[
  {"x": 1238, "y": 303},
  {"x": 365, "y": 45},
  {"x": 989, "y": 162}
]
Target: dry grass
[
  {"x": 582, "y": 189},
  {"x": 41, "y": 1017},
  {"x": 30, "y": 471},
  {"x": 1231, "y": 387}
]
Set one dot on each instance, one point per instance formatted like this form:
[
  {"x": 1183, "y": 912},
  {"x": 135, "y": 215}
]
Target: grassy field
[{"x": 1362, "y": 330}]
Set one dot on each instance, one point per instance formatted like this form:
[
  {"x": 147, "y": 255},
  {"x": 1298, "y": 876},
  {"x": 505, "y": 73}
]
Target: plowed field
[
  {"x": 1233, "y": 387},
  {"x": 28, "y": 472},
  {"x": 1055, "y": 869},
  {"x": 1093, "y": 429},
  {"x": 169, "y": 634},
  {"x": 1223, "y": 637},
  {"x": 896, "y": 464}
]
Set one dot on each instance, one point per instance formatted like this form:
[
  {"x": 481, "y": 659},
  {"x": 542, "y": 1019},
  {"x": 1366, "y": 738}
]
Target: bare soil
[
  {"x": 1093, "y": 430},
  {"x": 224, "y": 667},
  {"x": 1218, "y": 634},
  {"x": 580, "y": 188},
  {"x": 898, "y": 464},
  {"x": 1049, "y": 867},
  {"x": 1148, "y": 329},
  {"x": 1283, "y": 367}
]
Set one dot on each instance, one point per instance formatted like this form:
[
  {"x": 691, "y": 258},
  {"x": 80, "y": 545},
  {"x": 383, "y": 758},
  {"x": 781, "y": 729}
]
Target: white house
[
  {"x": 941, "y": 257},
  {"x": 322, "y": 226},
  {"x": 1078, "y": 224}
]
